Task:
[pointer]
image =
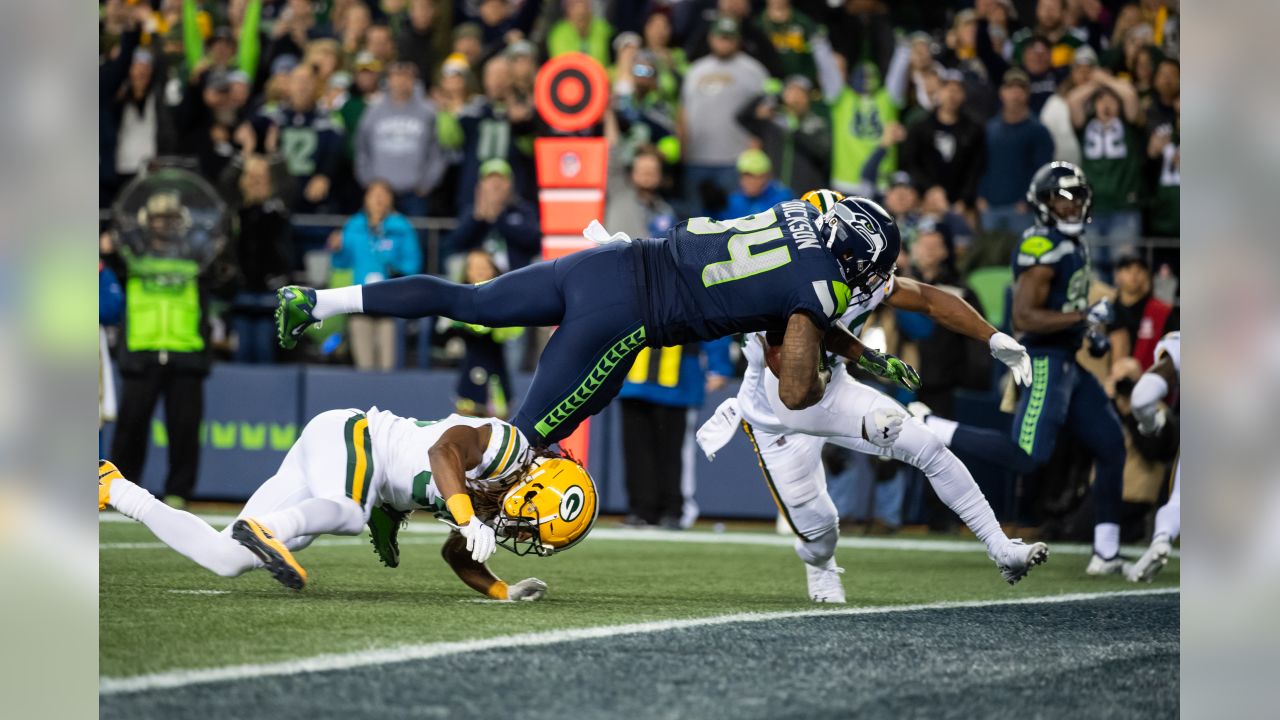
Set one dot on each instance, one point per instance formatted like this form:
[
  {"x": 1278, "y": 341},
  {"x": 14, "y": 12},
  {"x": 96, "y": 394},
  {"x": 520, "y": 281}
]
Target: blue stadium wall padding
[
  {"x": 251, "y": 420},
  {"x": 253, "y": 413}
]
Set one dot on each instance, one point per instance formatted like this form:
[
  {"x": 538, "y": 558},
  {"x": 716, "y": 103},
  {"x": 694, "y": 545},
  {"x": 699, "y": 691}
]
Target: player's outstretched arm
[
  {"x": 1154, "y": 386},
  {"x": 480, "y": 578},
  {"x": 952, "y": 312},
  {"x": 459, "y": 449},
  {"x": 800, "y": 382}
]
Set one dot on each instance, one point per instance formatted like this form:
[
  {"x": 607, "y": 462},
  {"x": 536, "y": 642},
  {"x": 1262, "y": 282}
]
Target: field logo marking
[{"x": 387, "y": 656}]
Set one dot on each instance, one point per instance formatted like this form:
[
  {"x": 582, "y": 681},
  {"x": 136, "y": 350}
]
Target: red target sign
[{"x": 571, "y": 92}]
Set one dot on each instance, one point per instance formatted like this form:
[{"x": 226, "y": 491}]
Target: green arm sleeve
[
  {"x": 192, "y": 45},
  {"x": 251, "y": 39}
]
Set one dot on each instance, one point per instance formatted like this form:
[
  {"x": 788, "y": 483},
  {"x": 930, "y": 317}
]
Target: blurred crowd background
[{"x": 357, "y": 140}]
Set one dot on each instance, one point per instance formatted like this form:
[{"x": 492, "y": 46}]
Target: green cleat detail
[
  {"x": 384, "y": 525},
  {"x": 294, "y": 306}
]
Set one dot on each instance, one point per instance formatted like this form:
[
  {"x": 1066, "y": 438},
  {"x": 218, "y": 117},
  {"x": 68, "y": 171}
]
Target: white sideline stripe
[
  {"x": 200, "y": 592},
  {"x": 387, "y": 656},
  {"x": 678, "y": 536}
]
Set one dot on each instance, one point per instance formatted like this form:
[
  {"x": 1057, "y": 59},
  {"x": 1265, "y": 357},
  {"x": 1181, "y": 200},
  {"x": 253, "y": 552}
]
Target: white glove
[
  {"x": 481, "y": 540},
  {"x": 596, "y": 233},
  {"x": 882, "y": 427},
  {"x": 1150, "y": 422},
  {"x": 1011, "y": 353},
  {"x": 529, "y": 589},
  {"x": 1100, "y": 313}
]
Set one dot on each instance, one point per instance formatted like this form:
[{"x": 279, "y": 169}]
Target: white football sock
[
  {"x": 315, "y": 516},
  {"x": 952, "y": 482},
  {"x": 1169, "y": 516},
  {"x": 339, "y": 301},
  {"x": 1106, "y": 540},
  {"x": 182, "y": 531},
  {"x": 945, "y": 429}
]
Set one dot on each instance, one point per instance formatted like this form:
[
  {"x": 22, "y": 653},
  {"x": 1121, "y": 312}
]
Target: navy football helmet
[
  {"x": 1061, "y": 197},
  {"x": 865, "y": 242}
]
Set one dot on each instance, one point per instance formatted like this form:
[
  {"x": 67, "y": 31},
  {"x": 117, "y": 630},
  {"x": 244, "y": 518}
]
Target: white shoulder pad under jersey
[
  {"x": 1171, "y": 345},
  {"x": 402, "y": 446},
  {"x": 857, "y": 314}
]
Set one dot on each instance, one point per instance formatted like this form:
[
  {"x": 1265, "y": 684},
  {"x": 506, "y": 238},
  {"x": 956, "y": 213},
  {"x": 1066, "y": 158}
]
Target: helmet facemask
[
  {"x": 1069, "y": 208},
  {"x": 519, "y": 533}
]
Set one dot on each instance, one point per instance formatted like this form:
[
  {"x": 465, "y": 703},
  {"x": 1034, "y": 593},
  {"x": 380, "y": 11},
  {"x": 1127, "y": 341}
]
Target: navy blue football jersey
[
  {"x": 707, "y": 279},
  {"x": 1069, "y": 289}
]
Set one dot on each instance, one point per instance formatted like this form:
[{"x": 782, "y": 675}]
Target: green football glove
[{"x": 890, "y": 368}]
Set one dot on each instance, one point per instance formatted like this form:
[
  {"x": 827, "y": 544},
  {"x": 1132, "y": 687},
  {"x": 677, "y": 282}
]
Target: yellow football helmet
[
  {"x": 551, "y": 509},
  {"x": 822, "y": 199}
]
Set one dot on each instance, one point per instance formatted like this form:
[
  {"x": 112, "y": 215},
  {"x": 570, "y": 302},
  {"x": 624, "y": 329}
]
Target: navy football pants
[
  {"x": 590, "y": 294},
  {"x": 1062, "y": 395}
]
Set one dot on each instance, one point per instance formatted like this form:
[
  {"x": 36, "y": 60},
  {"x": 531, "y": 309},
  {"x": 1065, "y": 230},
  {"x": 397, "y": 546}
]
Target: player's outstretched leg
[
  {"x": 955, "y": 486},
  {"x": 180, "y": 530},
  {"x": 273, "y": 553},
  {"x": 529, "y": 297}
]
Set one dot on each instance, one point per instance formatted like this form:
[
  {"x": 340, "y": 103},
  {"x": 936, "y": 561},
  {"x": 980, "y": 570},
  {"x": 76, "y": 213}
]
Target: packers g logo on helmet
[
  {"x": 822, "y": 199},
  {"x": 550, "y": 510}
]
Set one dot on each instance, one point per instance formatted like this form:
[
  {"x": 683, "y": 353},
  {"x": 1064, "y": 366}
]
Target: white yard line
[
  {"x": 343, "y": 661},
  {"x": 655, "y": 535}
]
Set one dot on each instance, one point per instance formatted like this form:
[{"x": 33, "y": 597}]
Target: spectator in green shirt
[
  {"x": 859, "y": 115},
  {"x": 791, "y": 33},
  {"x": 669, "y": 61},
  {"x": 580, "y": 31},
  {"x": 1106, "y": 114}
]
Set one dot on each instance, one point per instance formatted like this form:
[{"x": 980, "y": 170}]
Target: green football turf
[{"x": 157, "y": 612}]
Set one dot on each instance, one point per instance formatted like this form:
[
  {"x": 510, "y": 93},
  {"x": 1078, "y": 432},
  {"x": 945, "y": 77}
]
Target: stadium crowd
[{"x": 364, "y": 139}]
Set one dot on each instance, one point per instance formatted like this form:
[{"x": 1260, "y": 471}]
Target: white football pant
[
  {"x": 793, "y": 465},
  {"x": 306, "y": 497}
]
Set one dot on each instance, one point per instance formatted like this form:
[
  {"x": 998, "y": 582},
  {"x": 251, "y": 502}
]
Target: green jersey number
[
  {"x": 748, "y": 232},
  {"x": 1077, "y": 291}
]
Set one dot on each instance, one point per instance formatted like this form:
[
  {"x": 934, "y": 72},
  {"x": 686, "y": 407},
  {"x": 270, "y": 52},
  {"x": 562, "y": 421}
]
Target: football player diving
[
  {"x": 1155, "y": 385},
  {"x": 478, "y": 475},
  {"x": 1052, "y": 315},
  {"x": 788, "y": 442},
  {"x": 789, "y": 269}
]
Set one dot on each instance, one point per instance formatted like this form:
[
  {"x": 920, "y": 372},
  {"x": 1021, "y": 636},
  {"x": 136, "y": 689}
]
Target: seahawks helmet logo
[
  {"x": 865, "y": 226},
  {"x": 571, "y": 503}
]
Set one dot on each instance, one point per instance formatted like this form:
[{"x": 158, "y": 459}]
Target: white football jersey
[
  {"x": 403, "y": 467},
  {"x": 1171, "y": 345},
  {"x": 753, "y": 400}
]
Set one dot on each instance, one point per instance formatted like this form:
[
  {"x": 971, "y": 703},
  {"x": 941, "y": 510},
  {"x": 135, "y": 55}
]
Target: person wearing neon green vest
[
  {"x": 580, "y": 31},
  {"x": 163, "y": 348},
  {"x": 859, "y": 115}
]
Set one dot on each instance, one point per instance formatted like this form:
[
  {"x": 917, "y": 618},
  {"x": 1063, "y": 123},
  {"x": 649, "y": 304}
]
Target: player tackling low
[
  {"x": 788, "y": 443},
  {"x": 478, "y": 475}
]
